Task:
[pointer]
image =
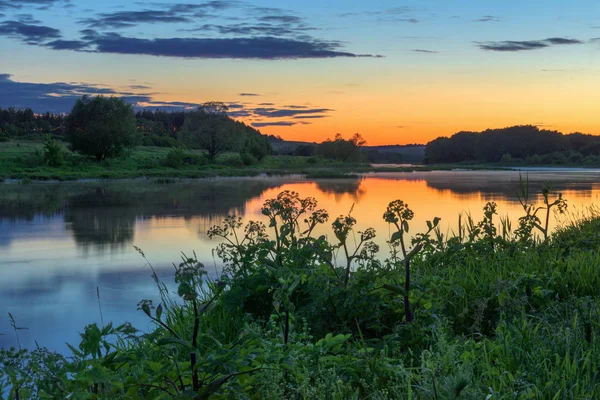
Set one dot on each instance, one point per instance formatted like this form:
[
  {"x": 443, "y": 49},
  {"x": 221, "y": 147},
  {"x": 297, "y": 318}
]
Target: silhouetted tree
[{"x": 341, "y": 149}]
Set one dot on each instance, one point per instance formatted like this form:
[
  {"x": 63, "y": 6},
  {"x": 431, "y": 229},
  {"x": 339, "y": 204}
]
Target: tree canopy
[
  {"x": 516, "y": 142},
  {"x": 341, "y": 149},
  {"x": 209, "y": 128},
  {"x": 101, "y": 126}
]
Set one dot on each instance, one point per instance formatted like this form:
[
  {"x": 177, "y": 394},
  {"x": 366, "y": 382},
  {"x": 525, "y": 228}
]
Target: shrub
[
  {"x": 54, "y": 155},
  {"x": 177, "y": 158},
  {"x": 248, "y": 159}
]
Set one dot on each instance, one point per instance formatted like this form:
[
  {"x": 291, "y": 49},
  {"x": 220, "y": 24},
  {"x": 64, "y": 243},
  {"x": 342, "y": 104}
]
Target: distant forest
[
  {"x": 157, "y": 127},
  {"x": 526, "y": 144},
  {"x": 169, "y": 129}
]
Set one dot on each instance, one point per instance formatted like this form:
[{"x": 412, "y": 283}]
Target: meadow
[{"x": 493, "y": 311}]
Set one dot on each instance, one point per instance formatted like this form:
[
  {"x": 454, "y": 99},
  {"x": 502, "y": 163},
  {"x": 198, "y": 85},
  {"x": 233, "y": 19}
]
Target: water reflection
[{"x": 59, "y": 242}]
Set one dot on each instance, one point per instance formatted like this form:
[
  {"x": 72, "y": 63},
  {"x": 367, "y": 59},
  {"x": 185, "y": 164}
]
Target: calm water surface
[{"x": 60, "y": 242}]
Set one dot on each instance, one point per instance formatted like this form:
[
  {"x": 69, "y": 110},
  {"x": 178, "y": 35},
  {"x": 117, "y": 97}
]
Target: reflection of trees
[
  {"x": 101, "y": 218},
  {"x": 498, "y": 184},
  {"x": 338, "y": 188},
  {"x": 103, "y": 215}
]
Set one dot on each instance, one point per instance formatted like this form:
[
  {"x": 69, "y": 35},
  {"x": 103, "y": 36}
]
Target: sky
[{"x": 397, "y": 72}]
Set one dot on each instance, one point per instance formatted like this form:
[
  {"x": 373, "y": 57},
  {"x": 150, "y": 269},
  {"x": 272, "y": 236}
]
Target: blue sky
[{"x": 397, "y": 72}]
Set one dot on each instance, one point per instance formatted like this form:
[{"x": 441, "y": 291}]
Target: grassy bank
[
  {"x": 492, "y": 312},
  {"x": 24, "y": 160}
]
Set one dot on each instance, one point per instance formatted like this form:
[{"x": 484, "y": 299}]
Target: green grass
[{"x": 22, "y": 159}]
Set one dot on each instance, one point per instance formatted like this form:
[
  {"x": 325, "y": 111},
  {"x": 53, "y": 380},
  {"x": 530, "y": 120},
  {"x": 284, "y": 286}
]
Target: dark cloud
[
  {"x": 67, "y": 45},
  {"x": 139, "y": 87},
  {"x": 273, "y": 123},
  {"x": 127, "y": 19},
  {"x": 31, "y": 34},
  {"x": 245, "y": 29},
  {"x": 161, "y": 14},
  {"x": 56, "y": 97},
  {"x": 287, "y": 112},
  {"x": 425, "y": 51},
  {"x": 249, "y": 94},
  {"x": 265, "y": 48},
  {"x": 488, "y": 18},
  {"x": 27, "y": 19},
  {"x": 509, "y": 45},
  {"x": 310, "y": 116},
  {"x": 18, "y": 4},
  {"x": 284, "y": 19}
]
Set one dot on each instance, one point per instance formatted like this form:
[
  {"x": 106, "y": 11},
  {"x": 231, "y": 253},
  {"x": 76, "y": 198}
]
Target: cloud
[
  {"x": 57, "y": 97},
  {"x": 29, "y": 33},
  {"x": 67, "y": 45},
  {"x": 488, "y": 18},
  {"x": 162, "y": 14},
  {"x": 249, "y": 94},
  {"x": 126, "y": 19},
  {"x": 265, "y": 48},
  {"x": 252, "y": 29},
  {"x": 310, "y": 116},
  {"x": 17, "y": 4},
  {"x": 274, "y": 123},
  {"x": 287, "y": 112},
  {"x": 509, "y": 45},
  {"x": 425, "y": 51}
]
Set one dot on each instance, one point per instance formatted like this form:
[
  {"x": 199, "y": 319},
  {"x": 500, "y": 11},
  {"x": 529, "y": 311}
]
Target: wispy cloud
[
  {"x": 425, "y": 51},
  {"x": 488, "y": 18},
  {"x": 40, "y": 4},
  {"x": 510, "y": 45}
]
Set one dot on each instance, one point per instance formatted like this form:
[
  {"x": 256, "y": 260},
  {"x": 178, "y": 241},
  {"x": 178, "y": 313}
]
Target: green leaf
[
  {"x": 167, "y": 341},
  {"x": 159, "y": 311},
  {"x": 395, "y": 288},
  {"x": 396, "y": 236}
]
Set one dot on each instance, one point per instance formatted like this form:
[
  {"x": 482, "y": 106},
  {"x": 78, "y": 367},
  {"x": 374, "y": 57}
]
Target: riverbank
[{"x": 21, "y": 161}]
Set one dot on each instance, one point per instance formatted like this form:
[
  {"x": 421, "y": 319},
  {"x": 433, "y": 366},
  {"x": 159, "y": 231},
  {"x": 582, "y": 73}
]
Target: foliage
[
  {"x": 210, "y": 129},
  {"x": 487, "y": 313},
  {"x": 22, "y": 122},
  {"x": 513, "y": 145},
  {"x": 54, "y": 154},
  {"x": 102, "y": 127},
  {"x": 341, "y": 149}
]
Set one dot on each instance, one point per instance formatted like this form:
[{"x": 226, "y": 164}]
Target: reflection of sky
[{"x": 48, "y": 280}]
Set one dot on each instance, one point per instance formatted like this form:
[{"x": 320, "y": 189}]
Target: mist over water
[{"x": 60, "y": 242}]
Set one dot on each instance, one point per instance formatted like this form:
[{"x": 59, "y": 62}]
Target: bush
[
  {"x": 101, "y": 127},
  {"x": 54, "y": 155},
  {"x": 177, "y": 158},
  {"x": 248, "y": 159}
]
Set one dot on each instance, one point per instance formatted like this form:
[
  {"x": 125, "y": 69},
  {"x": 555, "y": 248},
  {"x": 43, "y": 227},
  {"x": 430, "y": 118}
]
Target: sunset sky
[{"x": 397, "y": 72}]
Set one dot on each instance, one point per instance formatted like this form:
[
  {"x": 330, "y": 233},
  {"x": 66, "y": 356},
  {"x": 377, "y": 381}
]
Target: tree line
[
  {"x": 523, "y": 143},
  {"x": 104, "y": 127}
]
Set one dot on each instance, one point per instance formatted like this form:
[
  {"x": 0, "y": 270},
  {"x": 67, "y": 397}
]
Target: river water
[{"x": 63, "y": 243}]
